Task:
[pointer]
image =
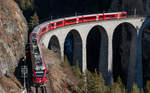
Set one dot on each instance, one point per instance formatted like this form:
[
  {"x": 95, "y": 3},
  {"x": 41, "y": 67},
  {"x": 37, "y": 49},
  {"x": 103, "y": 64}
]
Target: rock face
[{"x": 13, "y": 35}]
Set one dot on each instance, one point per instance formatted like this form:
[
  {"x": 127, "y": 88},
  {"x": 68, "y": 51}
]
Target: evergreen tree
[
  {"x": 66, "y": 62},
  {"x": 147, "y": 89},
  {"x": 121, "y": 85},
  {"x": 142, "y": 91},
  {"x": 95, "y": 83},
  {"x": 117, "y": 87},
  {"x": 76, "y": 70},
  {"x": 34, "y": 21},
  {"x": 26, "y": 4},
  {"x": 135, "y": 89}
]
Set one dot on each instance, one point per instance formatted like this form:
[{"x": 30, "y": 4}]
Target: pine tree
[
  {"x": 147, "y": 89},
  {"x": 66, "y": 62},
  {"x": 142, "y": 91},
  {"x": 95, "y": 83},
  {"x": 117, "y": 87},
  {"x": 121, "y": 85},
  {"x": 135, "y": 89},
  {"x": 34, "y": 21},
  {"x": 28, "y": 8},
  {"x": 76, "y": 70},
  {"x": 26, "y": 4}
]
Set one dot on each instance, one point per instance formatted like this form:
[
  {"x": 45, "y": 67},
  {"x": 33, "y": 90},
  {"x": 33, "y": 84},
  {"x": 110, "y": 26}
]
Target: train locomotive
[
  {"x": 38, "y": 64},
  {"x": 39, "y": 70}
]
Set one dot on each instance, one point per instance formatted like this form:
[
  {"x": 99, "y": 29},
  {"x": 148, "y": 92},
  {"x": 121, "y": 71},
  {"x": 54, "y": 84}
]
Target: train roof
[{"x": 102, "y": 13}]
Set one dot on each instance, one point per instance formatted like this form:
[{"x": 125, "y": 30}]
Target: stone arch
[
  {"x": 73, "y": 48},
  {"x": 125, "y": 53},
  {"x": 97, "y": 50},
  {"x": 54, "y": 44}
]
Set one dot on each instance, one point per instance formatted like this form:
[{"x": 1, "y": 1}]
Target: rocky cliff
[{"x": 13, "y": 35}]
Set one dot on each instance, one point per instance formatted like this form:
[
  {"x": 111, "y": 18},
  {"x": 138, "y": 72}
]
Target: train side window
[
  {"x": 52, "y": 25},
  {"x": 80, "y": 19},
  {"x": 101, "y": 16},
  {"x": 91, "y": 17},
  {"x": 123, "y": 15},
  {"x": 48, "y": 26},
  {"x": 59, "y": 23},
  {"x": 71, "y": 20},
  {"x": 112, "y": 16},
  {"x": 44, "y": 29}
]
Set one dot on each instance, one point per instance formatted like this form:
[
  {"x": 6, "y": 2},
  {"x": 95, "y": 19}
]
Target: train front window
[
  {"x": 39, "y": 74},
  {"x": 91, "y": 17}
]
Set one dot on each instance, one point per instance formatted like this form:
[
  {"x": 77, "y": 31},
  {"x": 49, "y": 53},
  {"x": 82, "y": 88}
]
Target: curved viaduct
[{"x": 108, "y": 46}]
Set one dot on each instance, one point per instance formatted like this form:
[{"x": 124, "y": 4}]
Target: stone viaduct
[{"x": 100, "y": 45}]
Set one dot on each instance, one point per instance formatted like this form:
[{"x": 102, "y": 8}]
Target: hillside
[
  {"x": 61, "y": 77},
  {"x": 13, "y": 35}
]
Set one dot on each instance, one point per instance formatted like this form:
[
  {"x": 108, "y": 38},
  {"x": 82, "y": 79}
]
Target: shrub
[
  {"x": 147, "y": 88},
  {"x": 135, "y": 89},
  {"x": 34, "y": 21}
]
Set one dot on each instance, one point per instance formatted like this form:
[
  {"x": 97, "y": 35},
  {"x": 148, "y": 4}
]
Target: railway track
[
  {"x": 40, "y": 90},
  {"x": 44, "y": 89}
]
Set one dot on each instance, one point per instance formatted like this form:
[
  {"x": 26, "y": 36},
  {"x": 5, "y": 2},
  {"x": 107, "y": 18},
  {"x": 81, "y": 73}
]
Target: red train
[
  {"x": 79, "y": 19},
  {"x": 38, "y": 64}
]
